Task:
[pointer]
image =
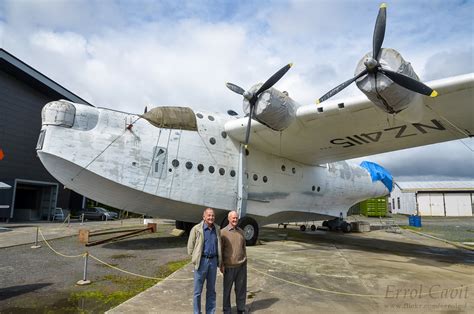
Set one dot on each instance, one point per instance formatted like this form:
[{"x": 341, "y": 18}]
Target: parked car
[
  {"x": 58, "y": 214},
  {"x": 98, "y": 213}
]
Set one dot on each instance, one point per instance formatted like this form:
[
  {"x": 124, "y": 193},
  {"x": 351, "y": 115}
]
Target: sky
[{"x": 126, "y": 55}]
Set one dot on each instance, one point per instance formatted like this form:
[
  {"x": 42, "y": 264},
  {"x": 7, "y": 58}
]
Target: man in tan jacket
[
  {"x": 204, "y": 244},
  {"x": 234, "y": 257}
]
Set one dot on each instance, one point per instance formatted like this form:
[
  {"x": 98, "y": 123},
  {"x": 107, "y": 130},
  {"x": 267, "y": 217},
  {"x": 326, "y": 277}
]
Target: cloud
[
  {"x": 449, "y": 63},
  {"x": 130, "y": 54}
]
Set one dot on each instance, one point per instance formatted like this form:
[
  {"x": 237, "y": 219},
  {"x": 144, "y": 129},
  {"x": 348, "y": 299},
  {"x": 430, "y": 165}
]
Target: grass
[
  {"x": 412, "y": 228},
  {"x": 113, "y": 290}
]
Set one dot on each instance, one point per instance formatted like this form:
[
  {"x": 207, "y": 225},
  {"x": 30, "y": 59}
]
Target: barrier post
[
  {"x": 84, "y": 280},
  {"x": 82, "y": 219},
  {"x": 36, "y": 246}
]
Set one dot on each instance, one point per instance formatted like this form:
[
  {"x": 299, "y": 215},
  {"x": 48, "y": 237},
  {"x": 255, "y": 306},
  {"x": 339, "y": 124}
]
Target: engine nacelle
[
  {"x": 273, "y": 108},
  {"x": 382, "y": 91}
]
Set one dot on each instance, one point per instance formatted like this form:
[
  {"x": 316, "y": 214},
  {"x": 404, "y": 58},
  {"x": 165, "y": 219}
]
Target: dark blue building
[{"x": 33, "y": 192}]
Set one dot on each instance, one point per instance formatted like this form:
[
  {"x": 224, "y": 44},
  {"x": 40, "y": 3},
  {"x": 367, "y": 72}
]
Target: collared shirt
[{"x": 210, "y": 241}]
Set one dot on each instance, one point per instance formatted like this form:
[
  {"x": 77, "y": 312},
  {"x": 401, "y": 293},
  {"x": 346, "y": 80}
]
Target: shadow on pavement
[
  {"x": 9, "y": 292},
  {"x": 262, "y": 304}
]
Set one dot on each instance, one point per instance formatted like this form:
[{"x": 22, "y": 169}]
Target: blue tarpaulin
[{"x": 378, "y": 173}]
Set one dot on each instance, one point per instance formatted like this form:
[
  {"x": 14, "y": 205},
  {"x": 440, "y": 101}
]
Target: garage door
[
  {"x": 458, "y": 204},
  {"x": 430, "y": 204}
]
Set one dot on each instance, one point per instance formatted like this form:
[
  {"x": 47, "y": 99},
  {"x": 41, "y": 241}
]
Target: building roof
[
  {"x": 24, "y": 72},
  {"x": 419, "y": 186}
]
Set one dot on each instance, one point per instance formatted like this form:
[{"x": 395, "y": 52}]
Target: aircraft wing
[{"x": 343, "y": 129}]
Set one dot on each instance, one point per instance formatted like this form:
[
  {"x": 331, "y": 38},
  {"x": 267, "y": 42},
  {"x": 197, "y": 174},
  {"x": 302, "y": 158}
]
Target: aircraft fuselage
[{"x": 124, "y": 161}]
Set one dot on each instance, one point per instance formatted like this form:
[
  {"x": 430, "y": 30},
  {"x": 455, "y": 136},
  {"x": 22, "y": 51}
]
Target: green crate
[{"x": 374, "y": 207}]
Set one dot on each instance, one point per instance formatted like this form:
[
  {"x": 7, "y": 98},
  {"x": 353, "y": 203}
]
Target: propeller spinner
[
  {"x": 373, "y": 66},
  {"x": 253, "y": 97}
]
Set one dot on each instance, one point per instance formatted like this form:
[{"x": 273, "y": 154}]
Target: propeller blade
[
  {"x": 247, "y": 133},
  {"x": 274, "y": 78},
  {"x": 340, "y": 87},
  {"x": 379, "y": 31},
  {"x": 236, "y": 89},
  {"x": 409, "y": 83}
]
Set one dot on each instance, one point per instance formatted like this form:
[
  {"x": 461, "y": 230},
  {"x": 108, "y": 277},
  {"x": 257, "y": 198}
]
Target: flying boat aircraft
[{"x": 282, "y": 162}]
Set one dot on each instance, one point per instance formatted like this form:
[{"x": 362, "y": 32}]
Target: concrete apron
[{"x": 325, "y": 276}]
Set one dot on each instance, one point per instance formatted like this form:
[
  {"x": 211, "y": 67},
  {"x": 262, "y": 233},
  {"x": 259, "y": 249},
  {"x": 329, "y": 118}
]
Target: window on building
[
  {"x": 393, "y": 203},
  {"x": 398, "y": 202}
]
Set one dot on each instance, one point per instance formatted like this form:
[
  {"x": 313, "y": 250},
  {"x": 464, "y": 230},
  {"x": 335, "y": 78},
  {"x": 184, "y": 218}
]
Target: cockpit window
[{"x": 182, "y": 118}]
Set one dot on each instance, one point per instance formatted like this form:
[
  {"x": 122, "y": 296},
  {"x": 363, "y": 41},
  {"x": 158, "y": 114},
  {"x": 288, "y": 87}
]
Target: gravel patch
[{"x": 39, "y": 280}]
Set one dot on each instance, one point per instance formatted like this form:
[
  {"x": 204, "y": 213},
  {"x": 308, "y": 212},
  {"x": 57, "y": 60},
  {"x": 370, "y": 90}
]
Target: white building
[{"x": 443, "y": 198}]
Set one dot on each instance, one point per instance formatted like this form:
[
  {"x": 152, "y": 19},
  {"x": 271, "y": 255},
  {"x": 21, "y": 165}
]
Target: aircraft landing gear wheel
[
  {"x": 250, "y": 228},
  {"x": 188, "y": 226},
  {"x": 346, "y": 227},
  {"x": 303, "y": 228},
  {"x": 313, "y": 228}
]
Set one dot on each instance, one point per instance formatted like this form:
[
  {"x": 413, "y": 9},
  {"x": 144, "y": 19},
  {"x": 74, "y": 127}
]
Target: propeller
[
  {"x": 373, "y": 66},
  {"x": 252, "y": 97}
]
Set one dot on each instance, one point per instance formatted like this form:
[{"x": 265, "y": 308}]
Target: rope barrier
[
  {"x": 107, "y": 264},
  {"x": 252, "y": 268},
  {"x": 135, "y": 274},
  {"x": 60, "y": 254}
]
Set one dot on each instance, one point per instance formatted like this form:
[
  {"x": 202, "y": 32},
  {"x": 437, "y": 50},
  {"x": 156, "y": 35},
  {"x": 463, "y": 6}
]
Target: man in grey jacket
[{"x": 204, "y": 244}]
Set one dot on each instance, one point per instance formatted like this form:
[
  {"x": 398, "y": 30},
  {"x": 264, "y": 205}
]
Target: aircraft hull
[{"x": 125, "y": 162}]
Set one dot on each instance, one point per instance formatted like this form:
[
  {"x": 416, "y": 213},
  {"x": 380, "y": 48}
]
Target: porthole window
[
  {"x": 175, "y": 163},
  {"x": 200, "y": 116},
  {"x": 210, "y": 118},
  {"x": 212, "y": 140},
  {"x": 313, "y": 188},
  {"x": 255, "y": 177},
  {"x": 221, "y": 171},
  {"x": 319, "y": 189},
  {"x": 200, "y": 167},
  {"x": 170, "y": 169},
  {"x": 189, "y": 165},
  {"x": 265, "y": 179},
  {"x": 211, "y": 169},
  {"x": 223, "y": 134},
  {"x": 293, "y": 170},
  {"x": 232, "y": 173},
  {"x": 283, "y": 168}
]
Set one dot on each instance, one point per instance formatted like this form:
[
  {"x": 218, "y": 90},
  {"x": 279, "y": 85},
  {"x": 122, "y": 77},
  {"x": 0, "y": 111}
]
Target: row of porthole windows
[
  {"x": 211, "y": 169},
  {"x": 200, "y": 168},
  {"x": 200, "y": 116},
  {"x": 212, "y": 140},
  {"x": 255, "y": 177},
  {"x": 283, "y": 168}
]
